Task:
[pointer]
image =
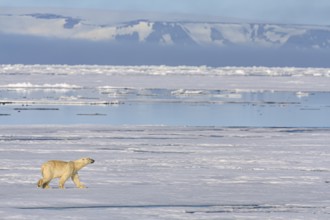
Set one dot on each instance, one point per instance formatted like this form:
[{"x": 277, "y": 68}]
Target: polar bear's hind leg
[
  {"x": 46, "y": 176},
  {"x": 44, "y": 183},
  {"x": 40, "y": 183}
]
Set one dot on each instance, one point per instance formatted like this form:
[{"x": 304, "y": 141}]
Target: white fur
[{"x": 63, "y": 170}]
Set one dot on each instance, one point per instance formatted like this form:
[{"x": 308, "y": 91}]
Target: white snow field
[
  {"x": 169, "y": 164},
  {"x": 162, "y": 172}
]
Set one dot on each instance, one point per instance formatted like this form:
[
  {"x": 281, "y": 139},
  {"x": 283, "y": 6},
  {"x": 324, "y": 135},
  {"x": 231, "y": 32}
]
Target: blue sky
[{"x": 284, "y": 11}]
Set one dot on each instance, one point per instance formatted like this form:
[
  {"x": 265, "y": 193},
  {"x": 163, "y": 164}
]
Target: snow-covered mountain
[
  {"x": 167, "y": 32},
  {"x": 221, "y": 34}
]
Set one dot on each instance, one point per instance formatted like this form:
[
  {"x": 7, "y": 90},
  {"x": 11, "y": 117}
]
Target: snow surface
[
  {"x": 164, "y": 172},
  {"x": 181, "y": 77}
]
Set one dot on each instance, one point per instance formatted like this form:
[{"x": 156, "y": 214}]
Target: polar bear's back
[{"x": 56, "y": 168}]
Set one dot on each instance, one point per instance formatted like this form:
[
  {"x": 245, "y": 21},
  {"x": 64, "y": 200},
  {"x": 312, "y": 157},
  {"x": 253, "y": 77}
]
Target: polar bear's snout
[{"x": 88, "y": 160}]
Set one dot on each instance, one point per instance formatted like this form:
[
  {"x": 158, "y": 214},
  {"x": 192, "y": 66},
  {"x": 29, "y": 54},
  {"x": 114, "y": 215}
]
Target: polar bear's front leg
[
  {"x": 75, "y": 179},
  {"x": 63, "y": 179}
]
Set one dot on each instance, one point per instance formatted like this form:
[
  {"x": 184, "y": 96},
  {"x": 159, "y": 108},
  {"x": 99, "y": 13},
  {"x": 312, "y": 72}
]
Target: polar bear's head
[{"x": 86, "y": 160}]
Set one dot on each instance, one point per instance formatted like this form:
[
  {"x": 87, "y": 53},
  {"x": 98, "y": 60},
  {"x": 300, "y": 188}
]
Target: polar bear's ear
[{"x": 84, "y": 159}]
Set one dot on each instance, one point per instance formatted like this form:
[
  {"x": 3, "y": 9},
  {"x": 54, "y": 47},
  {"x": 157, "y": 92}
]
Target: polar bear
[{"x": 63, "y": 170}]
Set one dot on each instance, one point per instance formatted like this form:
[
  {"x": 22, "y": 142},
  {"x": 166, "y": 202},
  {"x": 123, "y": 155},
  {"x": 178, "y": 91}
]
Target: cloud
[{"x": 288, "y": 11}]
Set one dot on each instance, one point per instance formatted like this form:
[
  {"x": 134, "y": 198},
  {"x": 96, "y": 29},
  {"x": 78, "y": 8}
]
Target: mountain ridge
[{"x": 165, "y": 33}]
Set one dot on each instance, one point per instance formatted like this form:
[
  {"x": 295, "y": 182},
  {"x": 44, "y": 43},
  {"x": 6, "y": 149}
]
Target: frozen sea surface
[
  {"x": 163, "y": 172},
  {"x": 169, "y": 142},
  {"x": 174, "y": 96}
]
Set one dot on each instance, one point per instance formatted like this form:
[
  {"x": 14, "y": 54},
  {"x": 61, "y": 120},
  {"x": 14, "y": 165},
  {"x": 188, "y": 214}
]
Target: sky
[
  {"x": 16, "y": 48},
  {"x": 283, "y": 11}
]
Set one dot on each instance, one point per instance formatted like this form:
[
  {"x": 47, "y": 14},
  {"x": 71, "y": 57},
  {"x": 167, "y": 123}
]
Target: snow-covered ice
[
  {"x": 163, "y": 172},
  {"x": 169, "y": 142},
  {"x": 228, "y": 96}
]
